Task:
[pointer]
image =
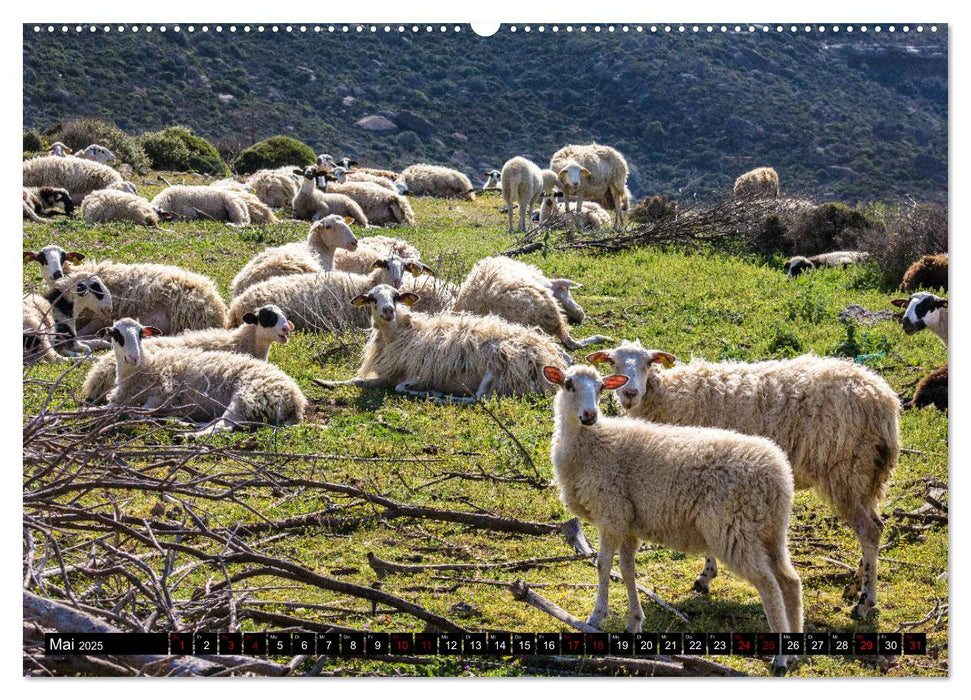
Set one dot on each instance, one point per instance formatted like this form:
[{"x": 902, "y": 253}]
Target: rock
[
  {"x": 377, "y": 125},
  {"x": 387, "y": 114},
  {"x": 226, "y": 98},
  {"x": 460, "y": 136},
  {"x": 348, "y": 100},
  {"x": 412, "y": 122}
]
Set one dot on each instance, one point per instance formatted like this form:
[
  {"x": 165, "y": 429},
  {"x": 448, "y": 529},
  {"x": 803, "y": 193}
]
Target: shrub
[
  {"x": 274, "y": 152},
  {"x": 81, "y": 133},
  {"x": 653, "y": 209},
  {"x": 32, "y": 142},
  {"x": 177, "y": 148},
  {"x": 824, "y": 228}
]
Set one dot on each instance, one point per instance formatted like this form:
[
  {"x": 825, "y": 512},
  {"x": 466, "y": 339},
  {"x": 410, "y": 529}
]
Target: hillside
[{"x": 847, "y": 116}]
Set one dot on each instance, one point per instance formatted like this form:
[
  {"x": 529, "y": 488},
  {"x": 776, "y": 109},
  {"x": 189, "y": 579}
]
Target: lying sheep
[
  {"x": 511, "y": 290},
  {"x": 222, "y": 389},
  {"x": 693, "y": 489},
  {"x": 261, "y": 328},
  {"x": 836, "y": 420},
  {"x": 311, "y": 204},
  {"x": 78, "y": 176},
  {"x": 53, "y": 261},
  {"x": 932, "y": 390},
  {"x": 839, "y": 258},
  {"x": 59, "y": 149},
  {"x": 39, "y": 200},
  {"x": 591, "y": 215},
  {"x": 522, "y": 185},
  {"x": 103, "y": 206},
  {"x": 259, "y": 213},
  {"x": 493, "y": 178},
  {"x": 38, "y": 330},
  {"x": 361, "y": 259},
  {"x": 759, "y": 183},
  {"x": 343, "y": 176},
  {"x": 447, "y": 355},
  {"x": 591, "y": 172},
  {"x": 381, "y": 207},
  {"x": 316, "y": 254},
  {"x": 924, "y": 310},
  {"x": 930, "y": 272},
  {"x": 51, "y": 319},
  {"x": 424, "y": 180},
  {"x": 97, "y": 153},
  {"x": 192, "y": 202},
  {"x": 434, "y": 295},
  {"x": 275, "y": 188}
]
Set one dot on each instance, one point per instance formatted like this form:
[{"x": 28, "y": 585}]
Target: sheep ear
[
  {"x": 74, "y": 257},
  {"x": 595, "y": 358},
  {"x": 348, "y": 220},
  {"x": 561, "y": 176},
  {"x": 666, "y": 360},
  {"x": 615, "y": 381},
  {"x": 104, "y": 333},
  {"x": 785, "y": 268},
  {"x": 28, "y": 256},
  {"x": 407, "y": 298},
  {"x": 149, "y": 331},
  {"x": 250, "y": 317},
  {"x": 584, "y": 172},
  {"x": 942, "y": 303},
  {"x": 379, "y": 263},
  {"x": 554, "y": 375},
  {"x": 360, "y": 300},
  {"x": 902, "y": 303}
]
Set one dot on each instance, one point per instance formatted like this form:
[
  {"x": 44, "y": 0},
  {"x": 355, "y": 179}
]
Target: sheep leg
[
  {"x": 509, "y": 210},
  {"x": 571, "y": 344},
  {"x": 703, "y": 582},
  {"x": 436, "y": 396},
  {"x": 635, "y": 613},
  {"x": 485, "y": 386},
  {"x": 852, "y": 589},
  {"x": 605, "y": 560},
  {"x": 773, "y": 603},
  {"x": 791, "y": 585},
  {"x": 360, "y": 382},
  {"x": 868, "y": 529}
]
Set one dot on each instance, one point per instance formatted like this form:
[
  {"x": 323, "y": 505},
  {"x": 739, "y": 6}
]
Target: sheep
[
  {"x": 924, "y": 310},
  {"x": 53, "y": 260},
  {"x": 259, "y": 213},
  {"x": 371, "y": 248},
  {"x": 837, "y": 421},
  {"x": 59, "y": 150},
  {"x": 799, "y": 264},
  {"x": 316, "y": 254},
  {"x": 261, "y": 328},
  {"x": 591, "y": 172},
  {"x": 693, "y": 489},
  {"x": 515, "y": 292},
  {"x": 381, "y": 207},
  {"x": 78, "y": 176},
  {"x": 930, "y": 272},
  {"x": 493, "y": 178},
  {"x": 230, "y": 183},
  {"x": 425, "y": 180},
  {"x": 275, "y": 188},
  {"x": 191, "y": 202},
  {"x": 38, "y": 330},
  {"x": 319, "y": 300},
  {"x": 221, "y": 389},
  {"x": 434, "y": 295},
  {"x": 932, "y": 390},
  {"x": 97, "y": 153},
  {"x": 561, "y": 292},
  {"x": 447, "y": 354},
  {"x": 54, "y": 315},
  {"x": 591, "y": 215},
  {"x": 311, "y": 204},
  {"x": 38, "y": 200},
  {"x": 344, "y": 176},
  {"x": 522, "y": 184},
  {"x": 102, "y": 206},
  {"x": 761, "y": 183}
]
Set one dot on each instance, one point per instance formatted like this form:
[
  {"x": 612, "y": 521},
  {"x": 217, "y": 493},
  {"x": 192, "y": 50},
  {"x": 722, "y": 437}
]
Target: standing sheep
[
  {"x": 311, "y": 204},
  {"x": 424, "y": 180},
  {"x": 39, "y": 200},
  {"x": 837, "y": 421},
  {"x": 522, "y": 185},
  {"x": 930, "y": 272},
  {"x": 757, "y": 184},
  {"x": 839, "y": 258},
  {"x": 693, "y": 489},
  {"x": 592, "y": 172},
  {"x": 78, "y": 176},
  {"x": 924, "y": 310},
  {"x": 192, "y": 202},
  {"x": 102, "y": 206},
  {"x": 493, "y": 178}
]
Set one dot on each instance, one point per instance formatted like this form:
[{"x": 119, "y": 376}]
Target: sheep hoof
[
  {"x": 702, "y": 586},
  {"x": 595, "y": 620},
  {"x": 862, "y": 610}
]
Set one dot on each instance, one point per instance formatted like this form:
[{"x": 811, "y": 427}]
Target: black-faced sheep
[
  {"x": 838, "y": 258},
  {"x": 761, "y": 183},
  {"x": 493, "y": 178},
  {"x": 924, "y": 310},
  {"x": 592, "y": 172},
  {"x": 38, "y": 201},
  {"x": 78, "y": 176},
  {"x": 54, "y": 262},
  {"x": 50, "y": 320},
  {"x": 930, "y": 272},
  {"x": 424, "y": 180}
]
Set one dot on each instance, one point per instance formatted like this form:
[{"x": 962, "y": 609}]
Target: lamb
[
  {"x": 519, "y": 293},
  {"x": 38, "y": 200},
  {"x": 932, "y": 390},
  {"x": 102, "y": 206},
  {"x": 591, "y": 215},
  {"x": 223, "y": 389},
  {"x": 592, "y": 172},
  {"x": 54, "y": 315},
  {"x": 381, "y": 207},
  {"x": 275, "y": 188},
  {"x": 316, "y": 254},
  {"x": 522, "y": 184},
  {"x": 191, "y": 202},
  {"x": 930, "y": 272},
  {"x": 447, "y": 354},
  {"x": 424, "y": 180},
  {"x": 493, "y": 178},
  {"x": 311, "y": 204},
  {"x": 97, "y": 153},
  {"x": 372, "y": 248},
  {"x": 261, "y": 328},
  {"x": 924, "y": 310},
  {"x": 837, "y": 421},
  {"x": 53, "y": 261},
  {"x": 693, "y": 489},
  {"x": 799, "y": 264},
  {"x": 78, "y": 176},
  {"x": 343, "y": 175},
  {"x": 761, "y": 183}
]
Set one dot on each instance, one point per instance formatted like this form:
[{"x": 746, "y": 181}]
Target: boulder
[{"x": 377, "y": 124}]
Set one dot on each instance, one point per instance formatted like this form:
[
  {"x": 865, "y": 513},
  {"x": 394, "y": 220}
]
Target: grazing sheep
[
  {"x": 932, "y": 390},
  {"x": 97, "y": 153},
  {"x": 221, "y": 389},
  {"x": 493, "y": 178},
  {"x": 316, "y": 254},
  {"x": 38, "y": 200},
  {"x": 924, "y": 310},
  {"x": 343, "y": 175},
  {"x": 930, "y": 272},
  {"x": 275, "y": 188},
  {"x": 78, "y": 176},
  {"x": 311, "y": 204},
  {"x": 53, "y": 315},
  {"x": 425, "y": 180},
  {"x": 519, "y": 294},
  {"x": 592, "y": 172},
  {"x": 319, "y": 301},
  {"x": 372, "y": 248},
  {"x": 522, "y": 185},
  {"x": 837, "y": 421},
  {"x": 102, "y": 206},
  {"x": 192, "y": 202},
  {"x": 53, "y": 261},
  {"x": 260, "y": 329},
  {"x": 697, "y": 490},
  {"x": 381, "y": 207},
  {"x": 59, "y": 150},
  {"x": 447, "y": 355},
  {"x": 797, "y": 265},
  {"x": 759, "y": 183},
  {"x": 591, "y": 215}
]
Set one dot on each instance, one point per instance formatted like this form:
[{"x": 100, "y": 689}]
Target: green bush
[
  {"x": 823, "y": 228},
  {"x": 81, "y": 133},
  {"x": 910, "y": 232},
  {"x": 274, "y": 152},
  {"x": 177, "y": 148},
  {"x": 32, "y": 142}
]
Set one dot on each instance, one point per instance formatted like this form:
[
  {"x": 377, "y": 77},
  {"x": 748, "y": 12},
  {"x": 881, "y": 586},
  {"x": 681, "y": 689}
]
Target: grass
[{"x": 689, "y": 303}]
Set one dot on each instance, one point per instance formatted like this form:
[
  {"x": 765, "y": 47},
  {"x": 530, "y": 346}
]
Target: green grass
[{"x": 687, "y": 303}]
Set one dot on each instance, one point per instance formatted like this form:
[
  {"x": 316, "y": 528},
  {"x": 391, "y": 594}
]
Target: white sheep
[
  {"x": 59, "y": 150},
  {"x": 381, "y": 207},
  {"x": 276, "y": 188},
  {"x": 522, "y": 185},
  {"x": 591, "y": 215},
  {"x": 78, "y": 176},
  {"x": 259, "y": 212},
  {"x": 519, "y": 293},
  {"x": 493, "y": 178},
  {"x": 54, "y": 262},
  {"x": 39, "y": 200},
  {"x": 102, "y": 206},
  {"x": 316, "y": 254},
  {"x": 311, "y": 204},
  {"x": 97, "y": 153},
  {"x": 192, "y": 202},
  {"x": 592, "y": 172},
  {"x": 924, "y": 310},
  {"x": 838, "y": 258},
  {"x": 692, "y": 489},
  {"x": 343, "y": 175},
  {"x": 372, "y": 248},
  {"x": 447, "y": 355},
  {"x": 54, "y": 315},
  {"x": 261, "y": 328},
  {"x": 758, "y": 183},
  {"x": 424, "y": 180},
  {"x": 224, "y": 390},
  {"x": 434, "y": 294},
  {"x": 837, "y": 421}
]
